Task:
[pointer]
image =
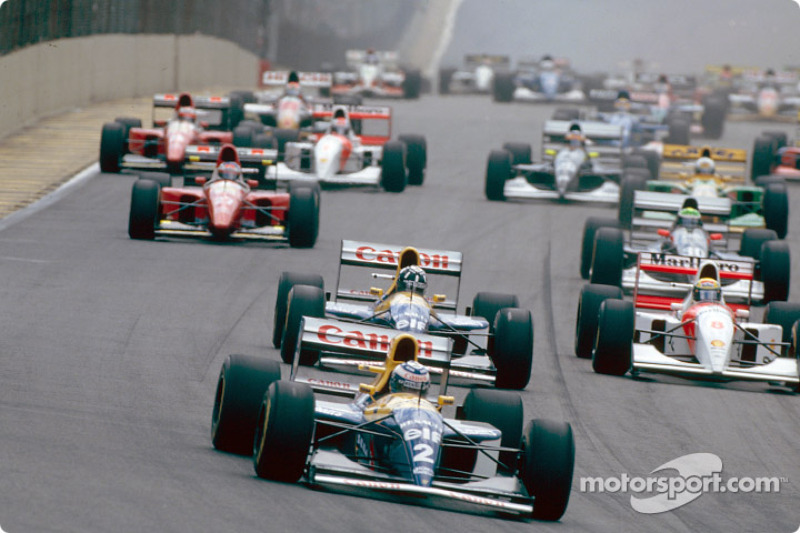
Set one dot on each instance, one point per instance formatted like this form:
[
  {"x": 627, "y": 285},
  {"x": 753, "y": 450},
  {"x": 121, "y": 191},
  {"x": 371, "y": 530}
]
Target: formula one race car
[
  {"x": 125, "y": 144},
  {"x": 545, "y": 80},
  {"x": 774, "y": 158},
  {"x": 504, "y": 359},
  {"x": 355, "y": 149},
  {"x": 223, "y": 206},
  {"x": 699, "y": 337},
  {"x": 715, "y": 179},
  {"x": 765, "y": 95},
  {"x": 376, "y": 74},
  {"x": 477, "y": 75},
  {"x": 391, "y": 439},
  {"x": 582, "y": 163}
]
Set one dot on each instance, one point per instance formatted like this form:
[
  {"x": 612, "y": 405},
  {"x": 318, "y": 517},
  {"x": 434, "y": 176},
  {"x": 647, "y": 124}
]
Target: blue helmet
[
  {"x": 410, "y": 377},
  {"x": 412, "y": 278}
]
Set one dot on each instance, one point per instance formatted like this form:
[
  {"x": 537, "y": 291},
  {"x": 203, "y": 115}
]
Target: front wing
[{"x": 519, "y": 187}]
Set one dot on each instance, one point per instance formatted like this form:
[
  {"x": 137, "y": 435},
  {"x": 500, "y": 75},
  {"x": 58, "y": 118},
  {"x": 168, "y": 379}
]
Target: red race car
[
  {"x": 126, "y": 144},
  {"x": 224, "y": 206}
]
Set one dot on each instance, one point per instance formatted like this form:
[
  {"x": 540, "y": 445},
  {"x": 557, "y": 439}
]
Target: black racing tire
[
  {"x": 776, "y": 208},
  {"x": 653, "y": 160},
  {"x": 416, "y": 157},
  {"x": 607, "y": 257},
  {"x": 488, "y": 304},
  {"x": 783, "y": 314},
  {"x": 630, "y": 184},
  {"x": 590, "y": 228},
  {"x": 566, "y": 113},
  {"x": 163, "y": 179},
  {"x": 394, "y": 177},
  {"x": 547, "y": 465},
  {"x": 586, "y": 320},
  {"x": 613, "y": 346},
  {"x": 779, "y": 137},
  {"x": 520, "y": 153},
  {"x": 776, "y": 270},
  {"x": 763, "y": 156},
  {"x": 512, "y": 349},
  {"x": 263, "y": 140},
  {"x": 285, "y": 284},
  {"x": 145, "y": 206},
  {"x": 244, "y": 136},
  {"x": 283, "y": 136},
  {"x": 303, "y": 300},
  {"x": 283, "y": 432},
  {"x": 112, "y": 147},
  {"x": 348, "y": 99},
  {"x": 498, "y": 170},
  {"x": 504, "y": 411},
  {"x": 678, "y": 131},
  {"x": 634, "y": 161},
  {"x": 243, "y": 379},
  {"x": 713, "y": 119},
  {"x": 752, "y": 239},
  {"x": 303, "y": 217},
  {"x": 445, "y": 75},
  {"x": 503, "y": 87},
  {"x": 412, "y": 84},
  {"x": 248, "y": 97},
  {"x": 128, "y": 123}
]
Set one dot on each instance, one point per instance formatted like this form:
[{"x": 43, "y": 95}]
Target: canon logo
[
  {"x": 330, "y": 334},
  {"x": 370, "y": 254}
]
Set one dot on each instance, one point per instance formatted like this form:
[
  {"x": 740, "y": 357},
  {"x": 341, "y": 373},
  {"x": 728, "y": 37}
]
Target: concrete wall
[{"x": 56, "y": 76}]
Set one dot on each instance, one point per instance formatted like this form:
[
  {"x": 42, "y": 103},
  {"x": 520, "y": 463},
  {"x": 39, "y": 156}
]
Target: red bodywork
[
  {"x": 224, "y": 206},
  {"x": 789, "y": 165},
  {"x": 169, "y": 141}
]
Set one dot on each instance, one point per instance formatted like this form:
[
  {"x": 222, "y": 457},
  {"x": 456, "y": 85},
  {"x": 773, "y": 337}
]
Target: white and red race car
[
  {"x": 354, "y": 149},
  {"x": 698, "y": 338},
  {"x": 376, "y": 74}
]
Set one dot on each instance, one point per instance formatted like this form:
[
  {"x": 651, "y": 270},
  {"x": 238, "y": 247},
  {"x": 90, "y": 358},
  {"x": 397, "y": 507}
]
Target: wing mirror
[
  {"x": 675, "y": 306},
  {"x": 252, "y": 183},
  {"x": 742, "y": 313},
  {"x": 446, "y": 400},
  {"x": 715, "y": 236},
  {"x": 439, "y": 298},
  {"x": 375, "y": 291},
  {"x": 550, "y": 151},
  {"x": 200, "y": 181},
  {"x": 664, "y": 232}
]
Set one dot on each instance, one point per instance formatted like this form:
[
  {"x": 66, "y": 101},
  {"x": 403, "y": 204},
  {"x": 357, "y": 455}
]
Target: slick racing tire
[
  {"x": 776, "y": 208},
  {"x": 613, "y": 345},
  {"x": 348, "y": 99},
  {"x": 394, "y": 177},
  {"x": 112, "y": 147},
  {"x": 416, "y": 157},
  {"x": 145, "y": 204},
  {"x": 586, "y": 320},
  {"x": 445, "y": 75},
  {"x": 487, "y": 305},
  {"x": 548, "y": 461},
  {"x": 587, "y": 244},
  {"x": 607, "y": 257},
  {"x": 503, "y": 87},
  {"x": 780, "y": 138},
  {"x": 303, "y": 217},
  {"x": 627, "y": 191},
  {"x": 763, "y": 155},
  {"x": 127, "y": 123},
  {"x": 244, "y": 136},
  {"x": 678, "y": 131},
  {"x": 303, "y": 300},
  {"x": 713, "y": 119},
  {"x": 283, "y": 431},
  {"x": 498, "y": 170},
  {"x": 776, "y": 270},
  {"x": 753, "y": 239},
  {"x": 243, "y": 379},
  {"x": 520, "y": 153},
  {"x": 783, "y": 314},
  {"x": 285, "y": 284},
  {"x": 634, "y": 161},
  {"x": 512, "y": 349},
  {"x": 283, "y": 136},
  {"x": 504, "y": 411},
  {"x": 652, "y": 159},
  {"x": 412, "y": 84},
  {"x": 163, "y": 179},
  {"x": 567, "y": 113}
]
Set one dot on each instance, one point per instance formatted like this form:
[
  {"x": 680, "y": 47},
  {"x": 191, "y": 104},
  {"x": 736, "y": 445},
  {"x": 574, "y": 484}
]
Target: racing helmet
[
  {"x": 293, "y": 88},
  {"x": 229, "y": 170},
  {"x": 623, "y": 101},
  {"x": 707, "y": 290},
  {"x": 689, "y": 218},
  {"x": 412, "y": 278},
  {"x": 705, "y": 167},
  {"x": 187, "y": 113},
  {"x": 575, "y": 136},
  {"x": 410, "y": 377},
  {"x": 340, "y": 126}
]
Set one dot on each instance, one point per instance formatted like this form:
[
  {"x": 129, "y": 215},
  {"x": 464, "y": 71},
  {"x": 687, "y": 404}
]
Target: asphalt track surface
[{"x": 111, "y": 350}]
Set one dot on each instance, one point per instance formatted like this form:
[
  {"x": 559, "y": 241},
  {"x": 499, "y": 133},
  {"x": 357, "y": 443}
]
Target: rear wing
[
  {"x": 372, "y": 124},
  {"x": 474, "y": 60},
  {"x": 358, "y": 344},
  {"x": 683, "y": 265},
  {"x": 307, "y": 79},
  {"x": 603, "y": 138},
  {"x": 213, "y": 110},
  {"x": 387, "y": 257},
  {"x": 203, "y": 158},
  {"x": 677, "y": 161},
  {"x": 356, "y": 57}
]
